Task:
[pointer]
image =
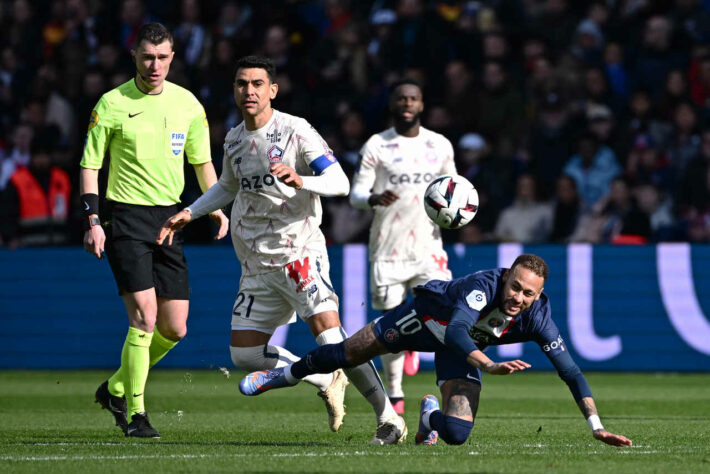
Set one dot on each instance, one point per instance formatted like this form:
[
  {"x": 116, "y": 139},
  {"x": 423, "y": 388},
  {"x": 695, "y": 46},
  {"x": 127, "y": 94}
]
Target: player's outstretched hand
[
  {"x": 176, "y": 222},
  {"x": 94, "y": 239},
  {"x": 222, "y": 221},
  {"x": 287, "y": 175},
  {"x": 507, "y": 367},
  {"x": 613, "y": 439}
]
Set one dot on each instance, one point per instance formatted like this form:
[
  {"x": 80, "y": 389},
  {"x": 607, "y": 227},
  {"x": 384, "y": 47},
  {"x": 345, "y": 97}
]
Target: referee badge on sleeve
[
  {"x": 177, "y": 142},
  {"x": 93, "y": 119}
]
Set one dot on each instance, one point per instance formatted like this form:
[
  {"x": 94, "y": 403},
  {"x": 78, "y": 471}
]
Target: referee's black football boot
[
  {"x": 140, "y": 427},
  {"x": 115, "y": 405}
]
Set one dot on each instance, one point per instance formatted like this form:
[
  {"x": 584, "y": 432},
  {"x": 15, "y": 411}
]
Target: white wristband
[{"x": 595, "y": 423}]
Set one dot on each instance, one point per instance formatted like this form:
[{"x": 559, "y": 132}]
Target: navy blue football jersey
[{"x": 464, "y": 314}]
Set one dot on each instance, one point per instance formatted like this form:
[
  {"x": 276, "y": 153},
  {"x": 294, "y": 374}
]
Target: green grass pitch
[{"x": 527, "y": 423}]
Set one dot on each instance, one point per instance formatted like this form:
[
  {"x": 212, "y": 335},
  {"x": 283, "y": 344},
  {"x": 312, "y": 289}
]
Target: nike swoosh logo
[
  {"x": 130, "y": 115},
  {"x": 141, "y": 335},
  {"x": 137, "y": 395},
  {"x": 469, "y": 376},
  {"x": 86, "y": 206}
]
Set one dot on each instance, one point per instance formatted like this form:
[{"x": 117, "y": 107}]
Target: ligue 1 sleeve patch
[
  {"x": 177, "y": 142},
  {"x": 93, "y": 119},
  {"x": 476, "y": 300}
]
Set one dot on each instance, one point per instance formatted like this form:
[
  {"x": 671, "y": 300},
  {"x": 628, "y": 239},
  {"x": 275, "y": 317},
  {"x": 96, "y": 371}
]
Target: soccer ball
[{"x": 451, "y": 201}]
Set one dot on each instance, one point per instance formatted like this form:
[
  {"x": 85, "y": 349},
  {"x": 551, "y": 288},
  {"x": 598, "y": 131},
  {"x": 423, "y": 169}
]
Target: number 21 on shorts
[{"x": 240, "y": 299}]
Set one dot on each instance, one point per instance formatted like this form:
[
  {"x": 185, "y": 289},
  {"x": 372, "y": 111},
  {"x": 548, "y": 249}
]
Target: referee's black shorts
[{"x": 137, "y": 262}]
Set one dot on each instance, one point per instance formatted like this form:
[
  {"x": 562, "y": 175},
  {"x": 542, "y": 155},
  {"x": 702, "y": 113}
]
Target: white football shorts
[
  {"x": 390, "y": 281},
  {"x": 272, "y": 299}
]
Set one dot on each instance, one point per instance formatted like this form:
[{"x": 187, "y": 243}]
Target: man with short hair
[
  {"x": 457, "y": 320},
  {"x": 406, "y": 250},
  {"x": 148, "y": 125},
  {"x": 276, "y": 167}
]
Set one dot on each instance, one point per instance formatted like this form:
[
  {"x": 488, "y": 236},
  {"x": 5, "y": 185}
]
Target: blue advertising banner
[{"x": 622, "y": 308}]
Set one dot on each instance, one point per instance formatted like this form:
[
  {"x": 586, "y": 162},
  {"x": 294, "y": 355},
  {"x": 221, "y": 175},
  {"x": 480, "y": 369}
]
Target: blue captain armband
[{"x": 322, "y": 162}]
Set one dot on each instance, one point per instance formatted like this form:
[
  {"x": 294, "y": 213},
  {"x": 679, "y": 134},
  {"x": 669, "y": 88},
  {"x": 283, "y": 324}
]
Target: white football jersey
[
  {"x": 406, "y": 166},
  {"x": 273, "y": 224}
]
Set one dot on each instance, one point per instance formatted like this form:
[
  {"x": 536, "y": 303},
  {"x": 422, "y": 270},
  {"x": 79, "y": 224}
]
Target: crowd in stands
[{"x": 577, "y": 121}]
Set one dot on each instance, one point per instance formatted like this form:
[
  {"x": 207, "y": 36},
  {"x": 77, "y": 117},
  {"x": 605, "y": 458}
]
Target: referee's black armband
[{"x": 90, "y": 204}]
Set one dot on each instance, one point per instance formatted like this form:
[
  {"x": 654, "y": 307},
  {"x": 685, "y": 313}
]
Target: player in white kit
[
  {"x": 276, "y": 167},
  {"x": 396, "y": 166}
]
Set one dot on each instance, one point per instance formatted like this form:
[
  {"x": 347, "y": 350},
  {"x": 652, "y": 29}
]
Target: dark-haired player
[
  {"x": 276, "y": 167},
  {"x": 457, "y": 320},
  {"x": 149, "y": 126},
  {"x": 406, "y": 250}
]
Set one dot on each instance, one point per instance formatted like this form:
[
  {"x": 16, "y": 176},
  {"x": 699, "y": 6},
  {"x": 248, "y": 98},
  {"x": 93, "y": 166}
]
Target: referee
[{"x": 148, "y": 125}]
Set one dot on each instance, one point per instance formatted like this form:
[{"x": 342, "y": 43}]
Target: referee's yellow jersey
[{"x": 147, "y": 137}]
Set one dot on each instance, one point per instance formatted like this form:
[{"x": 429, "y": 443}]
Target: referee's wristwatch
[{"x": 91, "y": 221}]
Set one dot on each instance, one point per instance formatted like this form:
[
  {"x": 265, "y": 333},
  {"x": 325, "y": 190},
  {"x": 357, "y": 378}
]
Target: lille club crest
[{"x": 275, "y": 154}]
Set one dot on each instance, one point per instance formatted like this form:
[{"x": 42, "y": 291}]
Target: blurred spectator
[
  {"x": 555, "y": 23},
  {"x": 34, "y": 206},
  {"x": 19, "y": 153},
  {"x": 133, "y": 15},
  {"x": 233, "y": 21},
  {"x": 459, "y": 94},
  {"x": 526, "y": 220},
  {"x": 693, "y": 199},
  {"x": 615, "y": 70},
  {"x": 551, "y": 140},
  {"x": 379, "y": 47},
  {"x": 353, "y": 135},
  {"x": 657, "y": 56},
  {"x": 593, "y": 168},
  {"x": 616, "y": 218},
  {"x": 600, "y": 122},
  {"x": 675, "y": 91},
  {"x": 567, "y": 210},
  {"x": 500, "y": 110},
  {"x": 191, "y": 38},
  {"x": 588, "y": 43},
  {"x": 685, "y": 141},
  {"x": 659, "y": 208},
  {"x": 597, "y": 91},
  {"x": 700, "y": 82},
  {"x": 474, "y": 162},
  {"x": 648, "y": 164}
]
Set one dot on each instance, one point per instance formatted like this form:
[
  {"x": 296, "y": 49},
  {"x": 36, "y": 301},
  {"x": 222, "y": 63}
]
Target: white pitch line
[{"x": 196, "y": 456}]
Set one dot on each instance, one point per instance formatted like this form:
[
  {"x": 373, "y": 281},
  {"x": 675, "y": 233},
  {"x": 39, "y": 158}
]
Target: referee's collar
[{"x": 135, "y": 83}]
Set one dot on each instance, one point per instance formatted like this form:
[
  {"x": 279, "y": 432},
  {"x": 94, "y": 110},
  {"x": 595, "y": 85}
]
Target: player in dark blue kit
[{"x": 457, "y": 320}]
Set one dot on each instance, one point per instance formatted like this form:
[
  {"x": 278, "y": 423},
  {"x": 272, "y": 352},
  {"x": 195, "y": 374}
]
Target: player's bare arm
[
  {"x": 207, "y": 177},
  {"x": 385, "y": 199},
  {"x": 363, "y": 346},
  {"x": 287, "y": 175},
  {"x": 94, "y": 237},
  {"x": 480, "y": 360},
  {"x": 589, "y": 408},
  {"x": 173, "y": 224}
]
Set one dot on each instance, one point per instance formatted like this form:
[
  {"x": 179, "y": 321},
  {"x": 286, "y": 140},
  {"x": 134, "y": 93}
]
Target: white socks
[
  {"x": 364, "y": 377},
  {"x": 393, "y": 367},
  {"x": 270, "y": 357}
]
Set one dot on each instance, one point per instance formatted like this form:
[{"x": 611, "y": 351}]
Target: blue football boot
[
  {"x": 425, "y": 436},
  {"x": 257, "y": 383}
]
